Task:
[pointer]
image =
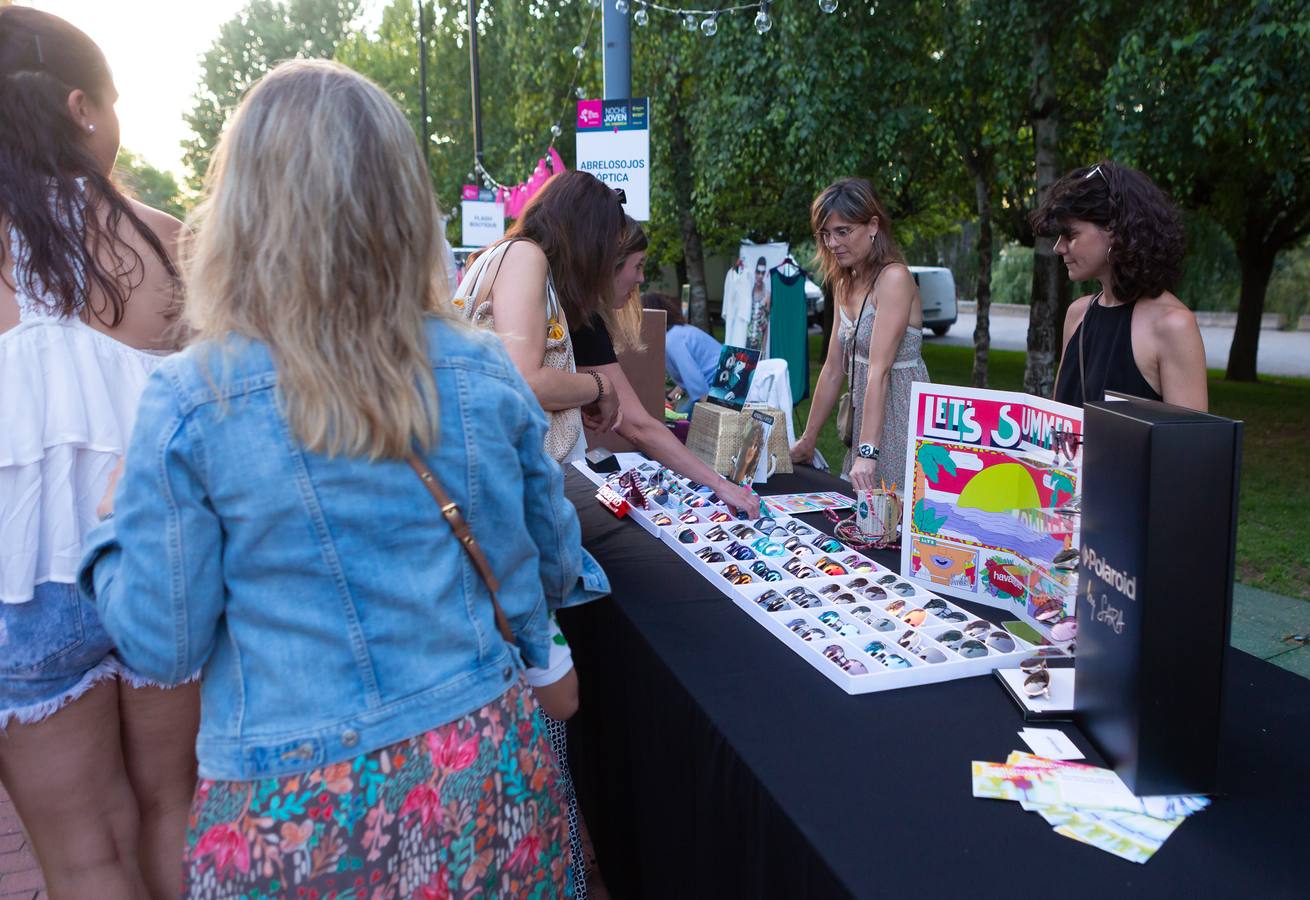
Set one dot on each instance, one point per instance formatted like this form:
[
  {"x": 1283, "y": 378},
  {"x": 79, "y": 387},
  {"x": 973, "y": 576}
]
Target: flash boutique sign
[{"x": 614, "y": 145}]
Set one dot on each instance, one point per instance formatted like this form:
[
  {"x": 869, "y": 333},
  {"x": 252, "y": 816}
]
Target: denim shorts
[{"x": 52, "y": 650}]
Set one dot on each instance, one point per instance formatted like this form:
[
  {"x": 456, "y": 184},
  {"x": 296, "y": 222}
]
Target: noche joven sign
[{"x": 614, "y": 145}]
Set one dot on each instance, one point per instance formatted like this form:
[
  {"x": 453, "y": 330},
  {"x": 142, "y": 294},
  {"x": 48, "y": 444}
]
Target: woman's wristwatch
[{"x": 867, "y": 451}]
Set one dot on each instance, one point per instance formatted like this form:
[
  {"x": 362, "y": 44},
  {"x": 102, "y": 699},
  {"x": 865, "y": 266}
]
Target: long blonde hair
[
  {"x": 624, "y": 323},
  {"x": 319, "y": 235}
]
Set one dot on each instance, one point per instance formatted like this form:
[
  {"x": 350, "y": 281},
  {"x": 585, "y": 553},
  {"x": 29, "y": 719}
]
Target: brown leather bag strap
[{"x": 464, "y": 534}]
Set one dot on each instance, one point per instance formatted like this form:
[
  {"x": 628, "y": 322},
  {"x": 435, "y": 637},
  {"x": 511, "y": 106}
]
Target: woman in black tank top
[
  {"x": 1099, "y": 357},
  {"x": 1114, "y": 226}
]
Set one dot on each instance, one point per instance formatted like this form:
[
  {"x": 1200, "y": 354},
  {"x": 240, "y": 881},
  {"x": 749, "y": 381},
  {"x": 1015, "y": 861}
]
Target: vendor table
[{"x": 711, "y": 761}]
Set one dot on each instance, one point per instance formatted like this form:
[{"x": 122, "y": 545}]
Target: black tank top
[{"x": 1106, "y": 334}]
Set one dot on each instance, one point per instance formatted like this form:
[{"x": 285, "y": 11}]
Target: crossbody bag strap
[
  {"x": 855, "y": 333},
  {"x": 478, "y": 293},
  {"x": 1082, "y": 366},
  {"x": 855, "y": 340},
  {"x": 464, "y": 534}
]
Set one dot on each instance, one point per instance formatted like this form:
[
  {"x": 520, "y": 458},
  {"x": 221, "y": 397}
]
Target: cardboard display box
[
  {"x": 1159, "y": 522},
  {"x": 645, "y": 371}
]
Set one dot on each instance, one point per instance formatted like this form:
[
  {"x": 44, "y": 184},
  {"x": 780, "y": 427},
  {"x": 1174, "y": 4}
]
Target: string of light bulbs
[
  {"x": 705, "y": 21},
  {"x": 574, "y": 90}
]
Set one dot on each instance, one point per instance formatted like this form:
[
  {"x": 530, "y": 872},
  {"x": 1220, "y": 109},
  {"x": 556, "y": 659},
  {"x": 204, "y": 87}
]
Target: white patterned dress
[{"x": 907, "y": 368}]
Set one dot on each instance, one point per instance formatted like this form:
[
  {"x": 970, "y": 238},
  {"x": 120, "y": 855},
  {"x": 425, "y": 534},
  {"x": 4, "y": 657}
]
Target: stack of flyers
[{"x": 1086, "y": 803}]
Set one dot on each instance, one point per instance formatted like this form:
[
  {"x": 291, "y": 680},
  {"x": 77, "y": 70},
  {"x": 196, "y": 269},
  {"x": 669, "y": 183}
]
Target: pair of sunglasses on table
[
  {"x": 976, "y": 639},
  {"x": 835, "y": 653},
  {"x": 737, "y": 575},
  {"x": 1036, "y": 677},
  {"x": 714, "y": 535}
]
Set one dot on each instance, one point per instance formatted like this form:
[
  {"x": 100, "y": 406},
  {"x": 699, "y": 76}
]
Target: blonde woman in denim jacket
[{"x": 364, "y": 727}]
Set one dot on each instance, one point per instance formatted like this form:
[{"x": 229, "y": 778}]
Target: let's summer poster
[{"x": 992, "y": 511}]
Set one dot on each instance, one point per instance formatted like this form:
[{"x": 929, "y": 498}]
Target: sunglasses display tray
[
  {"x": 858, "y": 623},
  {"x": 866, "y": 630}
]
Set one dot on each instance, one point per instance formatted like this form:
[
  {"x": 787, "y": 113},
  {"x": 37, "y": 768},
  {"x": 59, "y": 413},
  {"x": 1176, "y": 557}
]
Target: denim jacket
[{"x": 327, "y": 600}]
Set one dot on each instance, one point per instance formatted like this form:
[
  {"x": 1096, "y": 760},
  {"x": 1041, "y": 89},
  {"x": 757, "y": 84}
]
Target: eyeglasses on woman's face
[{"x": 829, "y": 236}]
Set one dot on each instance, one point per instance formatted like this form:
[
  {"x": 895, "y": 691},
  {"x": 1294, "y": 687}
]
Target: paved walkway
[
  {"x": 1263, "y": 625},
  {"x": 1267, "y": 625},
  {"x": 1280, "y": 352},
  {"x": 20, "y": 879}
]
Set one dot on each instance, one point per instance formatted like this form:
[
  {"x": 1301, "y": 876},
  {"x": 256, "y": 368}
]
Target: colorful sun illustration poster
[{"x": 991, "y": 514}]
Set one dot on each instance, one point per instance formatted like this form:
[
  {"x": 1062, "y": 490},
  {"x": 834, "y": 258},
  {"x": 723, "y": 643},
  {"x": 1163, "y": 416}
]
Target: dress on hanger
[{"x": 788, "y": 328}]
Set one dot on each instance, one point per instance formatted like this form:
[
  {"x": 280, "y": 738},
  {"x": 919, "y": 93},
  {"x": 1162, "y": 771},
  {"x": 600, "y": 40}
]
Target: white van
[{"x": 937, "y": 291}]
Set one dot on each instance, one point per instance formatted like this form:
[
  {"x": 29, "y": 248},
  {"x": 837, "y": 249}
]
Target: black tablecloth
[{"x": 710, "y": 760}]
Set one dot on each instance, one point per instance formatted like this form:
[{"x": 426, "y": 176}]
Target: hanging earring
[{"x": 91, "y": 128}]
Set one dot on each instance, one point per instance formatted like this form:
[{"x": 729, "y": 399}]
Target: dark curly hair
[{"x": 1146, "y": 231}]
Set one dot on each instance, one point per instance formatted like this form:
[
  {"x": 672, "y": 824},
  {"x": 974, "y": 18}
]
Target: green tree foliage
[
  {"x": 526, "y": 65},
  {"x": 263, "y": 34},
  {"x": 957, "y": 110},
  {"x": 153, "y": 187},
  {"x": 1214, "y": 99}
]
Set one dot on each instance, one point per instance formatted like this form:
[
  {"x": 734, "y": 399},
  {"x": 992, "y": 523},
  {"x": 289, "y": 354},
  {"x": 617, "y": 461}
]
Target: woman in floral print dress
[
  {"x": 367, "y": 729},
  {"x": 472, "y": 807}
]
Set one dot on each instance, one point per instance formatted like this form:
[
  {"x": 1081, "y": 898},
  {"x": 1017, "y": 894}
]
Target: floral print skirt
[{"x": 472, "y": 808}]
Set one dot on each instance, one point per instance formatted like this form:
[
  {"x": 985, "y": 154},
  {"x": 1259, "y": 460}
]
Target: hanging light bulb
[
  {"x": 762, "y": 20},
  {"x": 828, "y": 5},
  {"x": 580, "y": 92},
  {"x": 641, "y": 17},
  {"x": 555, "y": 130},
  {"x": 710, "y": 26},
  {"x": 579, "y": 51},
  {"x": 470, "y": 177},
  {"x": 621, "y": 7},
  {"x": 689, "y": 22}
]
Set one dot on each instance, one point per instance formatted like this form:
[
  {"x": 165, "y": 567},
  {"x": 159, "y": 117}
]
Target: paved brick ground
[{"x": 20, "y": 879}]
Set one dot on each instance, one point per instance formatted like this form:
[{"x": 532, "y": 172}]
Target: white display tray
[{"x": 859, "y": 633}]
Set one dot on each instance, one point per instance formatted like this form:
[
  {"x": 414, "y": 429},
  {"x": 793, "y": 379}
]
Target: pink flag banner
[{"x": 517, "y": 197}]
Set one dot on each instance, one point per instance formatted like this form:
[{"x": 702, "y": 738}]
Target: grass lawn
[{"x": 1273, "y": 532}]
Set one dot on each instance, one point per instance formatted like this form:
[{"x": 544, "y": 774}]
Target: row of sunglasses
[
  {"x": 866, "y": 610},
  {"x": 975, "y": 640},
  {"x": 788, "y": 536},
  {"x": 792, "y": 568}
]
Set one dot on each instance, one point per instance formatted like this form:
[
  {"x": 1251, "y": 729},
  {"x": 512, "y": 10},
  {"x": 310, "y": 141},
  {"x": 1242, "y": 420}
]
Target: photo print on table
[{"x": 732, "y": 378}]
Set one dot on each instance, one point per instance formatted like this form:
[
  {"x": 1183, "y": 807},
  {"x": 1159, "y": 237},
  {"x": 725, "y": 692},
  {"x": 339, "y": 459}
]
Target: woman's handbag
[
  {"x": 845, "y": 425},
  {"x": 473, "y": 302},
  {"x": 845, "y": 415}
]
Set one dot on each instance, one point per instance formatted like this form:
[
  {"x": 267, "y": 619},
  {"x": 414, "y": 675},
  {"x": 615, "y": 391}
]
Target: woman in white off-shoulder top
[{"x": 99, "y": 762}]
